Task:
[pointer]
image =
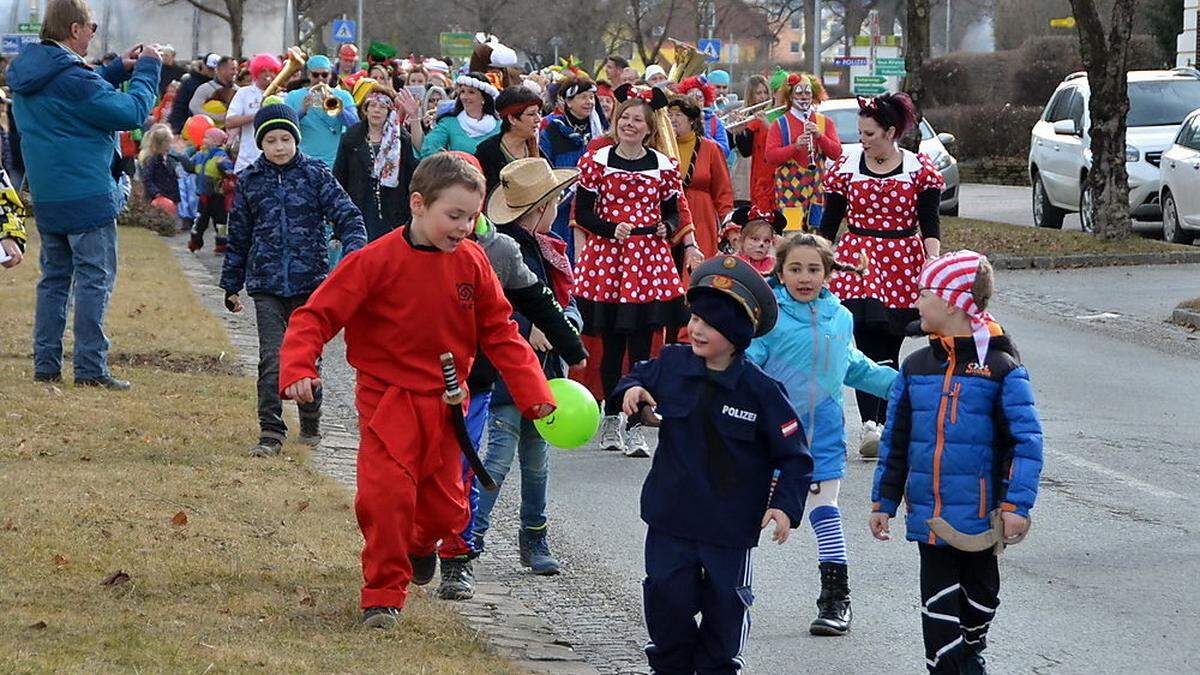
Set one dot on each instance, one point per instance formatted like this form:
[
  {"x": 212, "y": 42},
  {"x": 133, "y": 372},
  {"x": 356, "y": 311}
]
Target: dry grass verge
[
  {"x": 1001, "y": 239},
  {"x": 136, "y": 536}
]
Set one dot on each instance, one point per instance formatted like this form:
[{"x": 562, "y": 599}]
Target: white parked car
[
  {"x": 1180, "y": 192},
  {"x": 844, "y": 113},
  {"x": 1060, "y": 155}
]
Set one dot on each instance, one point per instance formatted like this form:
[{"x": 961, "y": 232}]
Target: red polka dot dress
[
  {"x": 881, "y": 213},
  {"x": 630, "y": 284}
]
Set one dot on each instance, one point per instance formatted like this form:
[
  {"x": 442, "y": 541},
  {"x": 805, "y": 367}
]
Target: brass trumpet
[{"x": 329, "y": 100}]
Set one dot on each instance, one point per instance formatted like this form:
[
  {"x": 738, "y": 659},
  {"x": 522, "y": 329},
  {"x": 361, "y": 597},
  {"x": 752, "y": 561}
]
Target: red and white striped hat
[{"x": 952, "y": 278}]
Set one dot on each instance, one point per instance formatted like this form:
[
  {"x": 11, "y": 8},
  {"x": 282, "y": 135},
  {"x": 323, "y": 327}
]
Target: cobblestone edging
[
  {"x": 508, "y": 624},
  {"x": 1004, "y": 262}
]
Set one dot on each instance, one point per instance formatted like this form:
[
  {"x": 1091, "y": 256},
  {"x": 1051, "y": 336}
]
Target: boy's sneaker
[
  {"x": 423, "y": 568},
  {"x": 612, "y": 436},
  {"x": 381, "y": 617},
  {"x": 868, "y": 443},
  {"x": 195, "y": 243},
  {"x": 267, "y": 447},
  {"x": 458, "y": 579},
  {"x": 535, "y": 551},
  {"x": 635, "y": 443},
  {"x": 310, "y": 432}
]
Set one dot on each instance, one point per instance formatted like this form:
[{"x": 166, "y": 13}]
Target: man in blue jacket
[{"x": 69, "y": 115}]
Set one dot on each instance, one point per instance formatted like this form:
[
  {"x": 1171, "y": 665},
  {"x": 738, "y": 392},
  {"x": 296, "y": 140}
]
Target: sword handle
[{"x": 454, "y": 392}]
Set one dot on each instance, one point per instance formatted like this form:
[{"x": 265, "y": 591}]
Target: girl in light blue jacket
[{"x": 811, "y": 352}]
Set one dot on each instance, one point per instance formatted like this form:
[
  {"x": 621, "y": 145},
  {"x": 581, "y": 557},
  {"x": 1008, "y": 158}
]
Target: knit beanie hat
[
  {"x": 723, "y": 313},
  {"x": 275, "y": 116}
]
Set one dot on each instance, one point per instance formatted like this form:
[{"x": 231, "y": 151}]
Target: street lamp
[{"x": 556, "y": 42}]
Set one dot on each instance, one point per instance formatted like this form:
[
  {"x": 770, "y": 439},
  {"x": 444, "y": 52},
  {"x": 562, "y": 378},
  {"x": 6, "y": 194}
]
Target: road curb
[
  {"x": 508, "y": 626},
  {"x": 1186, "y": 317},
  {"x": 1004, "y": 262}
]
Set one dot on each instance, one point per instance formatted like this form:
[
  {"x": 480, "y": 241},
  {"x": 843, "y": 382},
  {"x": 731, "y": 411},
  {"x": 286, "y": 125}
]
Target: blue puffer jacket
[
  {"x": 68, "y": 115},
  {"x": 811, "y": 352},
  {"x": 961, "y": 439},
  {"x": 277, "y": 228}
]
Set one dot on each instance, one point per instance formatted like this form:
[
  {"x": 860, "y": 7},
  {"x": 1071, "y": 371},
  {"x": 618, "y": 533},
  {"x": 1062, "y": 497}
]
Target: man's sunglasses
[{"x": 320, "y": 75}]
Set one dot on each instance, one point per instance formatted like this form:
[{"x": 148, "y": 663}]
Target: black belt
[{"x": 884, "y": 234}]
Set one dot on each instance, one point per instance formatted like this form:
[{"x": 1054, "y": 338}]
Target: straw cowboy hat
[{"x": 524, "y": 185}]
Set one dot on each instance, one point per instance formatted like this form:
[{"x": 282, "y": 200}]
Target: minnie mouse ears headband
[
  {"x": 745, "y": 213},
  {"x": 655, "y": 97}
]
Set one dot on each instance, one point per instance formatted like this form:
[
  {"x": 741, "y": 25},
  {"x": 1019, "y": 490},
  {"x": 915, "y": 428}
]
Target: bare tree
[
  {"x": 231, "y": 12},
  {"x": 642, "y": 17},
  {"x": 1105, "y": 54},
  {"x": 916, "y": 49}
]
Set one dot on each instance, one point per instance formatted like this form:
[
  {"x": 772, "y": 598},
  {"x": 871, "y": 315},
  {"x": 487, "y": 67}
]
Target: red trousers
[{"x": 410, "y": 488}]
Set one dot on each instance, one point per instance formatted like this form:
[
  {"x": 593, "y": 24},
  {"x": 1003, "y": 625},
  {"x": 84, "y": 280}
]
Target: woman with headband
[
  {"x": 520, "y": 112},
  {"x": 375, "y": 162},
  {"x": 889, "y": 198},
  {"x": 565, "y": 138},
  {"x": 472, "y": 121}
]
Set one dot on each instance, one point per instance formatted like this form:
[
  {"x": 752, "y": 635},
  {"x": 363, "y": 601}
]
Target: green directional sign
[
  {"x": 889, "y": 66},
  {"x": 29, "y": 28},
  {"x": 459, "y": 45},
  {"x": 869, "y": 85}
]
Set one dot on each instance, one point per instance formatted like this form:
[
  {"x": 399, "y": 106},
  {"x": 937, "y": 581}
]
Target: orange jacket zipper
[{"x": 941, "y": 433}]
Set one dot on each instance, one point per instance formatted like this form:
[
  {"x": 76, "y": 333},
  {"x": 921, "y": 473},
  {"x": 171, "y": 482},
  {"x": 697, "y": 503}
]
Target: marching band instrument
[
  {"x": 295, "y": 62},
  {"x": 686, "y": 62},
  {"x": 329, "y": 100},
  {"x": 747, "y": 120},
  {"x": 745, "y": 110}
]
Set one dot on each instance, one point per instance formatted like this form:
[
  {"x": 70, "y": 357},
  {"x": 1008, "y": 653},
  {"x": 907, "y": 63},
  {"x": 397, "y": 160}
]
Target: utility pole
[
  {"x": 196, "y": 34},
  {"x": 949, "y": 6},
  {"x": 362, "y": 48},
  {"x": 815, "y": 38}
]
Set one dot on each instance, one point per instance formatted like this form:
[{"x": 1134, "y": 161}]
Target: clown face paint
[{"x": 802, "y": 96}]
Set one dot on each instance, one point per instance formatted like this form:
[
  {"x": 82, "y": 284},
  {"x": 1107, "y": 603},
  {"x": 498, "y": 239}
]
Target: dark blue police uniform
[{"x": 722, "y": 437}]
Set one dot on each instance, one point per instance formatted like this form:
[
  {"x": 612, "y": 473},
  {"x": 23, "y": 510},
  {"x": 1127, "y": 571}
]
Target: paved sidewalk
[{"x": 506, "y": 619}]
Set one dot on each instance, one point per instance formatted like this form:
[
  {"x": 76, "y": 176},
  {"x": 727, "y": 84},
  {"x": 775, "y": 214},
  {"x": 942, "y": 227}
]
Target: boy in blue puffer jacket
[
  {"x": 281, "y": 204},
  {"x": 811, "y": 352},
  {"x": 963, "y": 449}
]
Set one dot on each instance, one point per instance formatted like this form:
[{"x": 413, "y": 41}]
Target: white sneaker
[
  {"x": 611, "y": 437},
  {"x": 868, "y": 443},
  {"x": 635, "y": 442}
]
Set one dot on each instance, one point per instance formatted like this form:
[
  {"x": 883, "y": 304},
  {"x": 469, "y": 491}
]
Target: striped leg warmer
[{"x": 826, "y": 523}]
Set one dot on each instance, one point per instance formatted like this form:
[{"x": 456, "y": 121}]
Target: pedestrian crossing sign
[
  {"x": 711, "y": 48},
  {"x": 343, "y": 30}
]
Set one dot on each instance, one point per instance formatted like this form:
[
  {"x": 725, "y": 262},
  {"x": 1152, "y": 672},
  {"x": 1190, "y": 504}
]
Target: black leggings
[
  {"x": 881, "y": 346},
  {"x": 637, "y": 344}
]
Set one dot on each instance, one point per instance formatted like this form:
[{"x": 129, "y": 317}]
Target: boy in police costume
[{"x": 730, "y": 460}]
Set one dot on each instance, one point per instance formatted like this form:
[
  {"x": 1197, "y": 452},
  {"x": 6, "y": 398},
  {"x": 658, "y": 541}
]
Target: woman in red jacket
[
  {"x": 706, "y": 181},
  {"x": 751, "y": 141},
  {"x": 798, "y": 144}
]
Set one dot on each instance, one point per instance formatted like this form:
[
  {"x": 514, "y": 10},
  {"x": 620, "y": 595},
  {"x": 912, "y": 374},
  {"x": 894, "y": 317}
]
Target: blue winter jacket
[
  {"x": 68, "y": 115},
  {"x": 961, "y": 439},
  {"x": 277, "y": 228},
  {"x": 811, "y": 352}
]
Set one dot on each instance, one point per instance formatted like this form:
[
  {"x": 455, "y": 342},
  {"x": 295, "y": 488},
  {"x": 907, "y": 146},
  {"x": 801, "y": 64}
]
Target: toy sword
[{"x": 454, "y": 397}]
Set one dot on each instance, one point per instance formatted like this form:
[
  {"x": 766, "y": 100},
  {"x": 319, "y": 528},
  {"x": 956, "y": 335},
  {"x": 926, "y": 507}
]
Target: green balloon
[{"x": 576, "y": 416}]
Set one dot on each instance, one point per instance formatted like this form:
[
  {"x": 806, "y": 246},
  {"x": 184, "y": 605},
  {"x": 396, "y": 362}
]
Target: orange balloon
[{"x": 195, "y": 126}]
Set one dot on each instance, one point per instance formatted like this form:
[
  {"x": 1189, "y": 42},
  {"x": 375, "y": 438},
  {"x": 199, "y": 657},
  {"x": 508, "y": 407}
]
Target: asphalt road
[
  {"x": 1105, "y": 582},
  {"x": 1013, "y": 205}
]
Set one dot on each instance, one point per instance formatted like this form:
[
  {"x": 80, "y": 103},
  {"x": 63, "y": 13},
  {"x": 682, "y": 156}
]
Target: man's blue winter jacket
[
  {"x": 68, "y": 115},
  {"x": 962, "y": 438},
  {"x": 277, "y": 228}
]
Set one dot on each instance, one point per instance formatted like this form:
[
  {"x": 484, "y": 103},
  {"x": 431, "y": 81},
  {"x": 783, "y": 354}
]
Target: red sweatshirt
[
  {"x": 402, "y": 307},
  {"x": 780, "y": 150}
]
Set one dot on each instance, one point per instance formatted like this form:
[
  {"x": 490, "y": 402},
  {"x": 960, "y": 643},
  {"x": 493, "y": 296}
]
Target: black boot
[{"x": 833, "y": 605}]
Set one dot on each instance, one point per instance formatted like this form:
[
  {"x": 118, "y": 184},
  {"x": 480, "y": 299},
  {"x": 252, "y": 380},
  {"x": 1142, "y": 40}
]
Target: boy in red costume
[{"x": 408, "y": 297}]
